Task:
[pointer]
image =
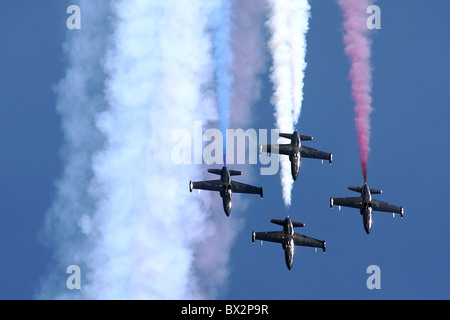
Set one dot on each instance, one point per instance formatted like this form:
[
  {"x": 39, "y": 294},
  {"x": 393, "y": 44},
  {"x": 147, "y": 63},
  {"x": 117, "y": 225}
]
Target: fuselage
[
  {"x": 366, "y": 209},
  {"x": 288, "y": 244},
  {"x": 295, "y": 158},
  {"x": 225, "y": 193}
]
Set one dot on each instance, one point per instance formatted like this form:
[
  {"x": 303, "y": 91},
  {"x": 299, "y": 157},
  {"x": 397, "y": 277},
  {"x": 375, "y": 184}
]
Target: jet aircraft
[
  {"x": 295, "y": 150},
  {"x": 365, "y": 203},
  {"x": 288, "y": 238},
  {"x": 225, "y": 186}
]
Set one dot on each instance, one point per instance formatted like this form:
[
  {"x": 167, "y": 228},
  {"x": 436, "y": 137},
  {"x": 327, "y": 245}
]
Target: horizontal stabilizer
[
  {"x": 286, "y": 135},
  {"x": 305, "y": 138},
  {"x": 283, "y": 222},
  {"x": 356, "y": 189},
  {"x": 297, "y": 224},
  {"x": 215, "y": 171},
  {"x": 235, "y": 173},
  {"x": 277, "y": 221},
  {"x": 372, "y": 191}
]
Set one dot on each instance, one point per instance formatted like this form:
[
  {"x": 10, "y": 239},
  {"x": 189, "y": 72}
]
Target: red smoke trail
[{"x": 357, "y": 47}]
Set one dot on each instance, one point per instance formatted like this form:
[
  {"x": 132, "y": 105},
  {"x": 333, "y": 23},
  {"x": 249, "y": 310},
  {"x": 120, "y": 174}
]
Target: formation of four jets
[{"x": 288, "y": 238}]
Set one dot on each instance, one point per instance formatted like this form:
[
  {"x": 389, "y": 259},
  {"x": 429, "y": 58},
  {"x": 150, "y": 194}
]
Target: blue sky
[{"x": 408, "y": 160}]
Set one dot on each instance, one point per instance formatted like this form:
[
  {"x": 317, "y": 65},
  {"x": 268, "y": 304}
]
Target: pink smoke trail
[
  {"x": 247, "y": 42},
  {"x": 357, "y": 47}
]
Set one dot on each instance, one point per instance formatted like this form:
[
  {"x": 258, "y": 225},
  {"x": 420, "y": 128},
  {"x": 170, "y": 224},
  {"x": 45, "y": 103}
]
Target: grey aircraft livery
[
  {"x": 365, "y": 203},
  {"x": 288, "y": 238},
  {"x": 295, "y": 150},
  {"x": 225, "y": 186}
]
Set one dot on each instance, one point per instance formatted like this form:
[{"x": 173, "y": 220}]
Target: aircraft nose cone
[
  {"x": 367, "y": 220},
  {"x": 227, "y": 207},
  {"x": 289, "y": 259},
  {"x": 367, "y": 227}
]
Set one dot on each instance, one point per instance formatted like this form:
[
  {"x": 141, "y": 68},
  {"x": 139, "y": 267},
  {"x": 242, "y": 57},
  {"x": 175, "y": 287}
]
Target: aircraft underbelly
[
  {"x": 367, "y": 220},
  {"x": 295, "y": 166},
  {"x": 227, "y": 204}
]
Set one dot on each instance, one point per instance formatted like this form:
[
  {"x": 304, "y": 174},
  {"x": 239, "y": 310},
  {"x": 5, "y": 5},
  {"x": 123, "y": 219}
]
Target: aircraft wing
[
  {"x": 286, "y": 149},
  {"x": 273, "y": 236},
  {"x": 307, "y": 152},
  {"x": 378, "y": 205},
  {"x": 212, "y": 185},
  {"x": 354, "y": 202},
  {"x": 239, "y": 187},
  {"x": 301, "y": 240}
]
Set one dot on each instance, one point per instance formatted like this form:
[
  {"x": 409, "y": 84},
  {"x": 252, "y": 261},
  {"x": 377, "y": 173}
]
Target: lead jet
[
  {"x": 225, "y": 186},
  {"x": 295, "y": 150},
  {"x": 365, "y": 203},
  {"x": 288, "y": 238}
]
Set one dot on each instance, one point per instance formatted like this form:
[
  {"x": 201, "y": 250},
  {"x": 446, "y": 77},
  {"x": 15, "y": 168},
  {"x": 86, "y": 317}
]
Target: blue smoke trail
[{"x": 220, "y": 29}]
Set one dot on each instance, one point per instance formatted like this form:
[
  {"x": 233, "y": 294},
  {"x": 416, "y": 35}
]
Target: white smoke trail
[
  {"x": 79, "y": 99},
  {"x": 288, "y": 24},
  {"x": 122, "y": 210}
]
